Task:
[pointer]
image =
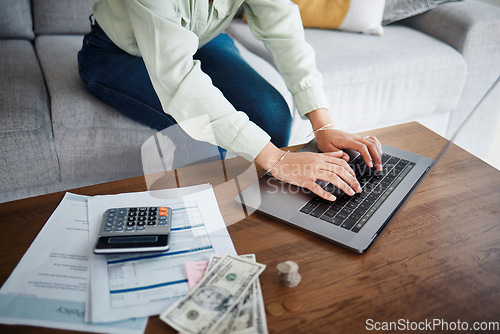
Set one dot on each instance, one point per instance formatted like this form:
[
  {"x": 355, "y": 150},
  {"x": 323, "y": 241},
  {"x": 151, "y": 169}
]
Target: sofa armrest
[
  {"x": 471, "y": 27},
  {"x": 463, "y": 25}
]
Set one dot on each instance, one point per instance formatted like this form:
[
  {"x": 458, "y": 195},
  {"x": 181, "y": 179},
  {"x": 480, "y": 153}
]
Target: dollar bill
[
  {"x": 218, "y": 292},
  {"x": 226, "y": 322},
  {"x": 255, "y": 322},
  {"x": 249, "y": 315},
  {"x": 260, "y": 323},
  {"x": 212, "y": 262}
]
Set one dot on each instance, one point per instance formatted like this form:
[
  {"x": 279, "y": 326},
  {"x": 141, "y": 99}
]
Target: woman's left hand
[{"x": 332, "y": 140}]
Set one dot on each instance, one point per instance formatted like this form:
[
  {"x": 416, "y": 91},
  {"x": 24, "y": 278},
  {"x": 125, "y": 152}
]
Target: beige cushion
[{"x": 363, "y": 16}]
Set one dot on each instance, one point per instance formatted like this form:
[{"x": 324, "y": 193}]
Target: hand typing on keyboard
[
  {"x": 304, "y": 169},
  {"x": 369, "y": 147}
]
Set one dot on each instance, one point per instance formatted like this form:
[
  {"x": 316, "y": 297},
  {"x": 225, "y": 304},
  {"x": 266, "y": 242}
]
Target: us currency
[
  {"x": 260, "y": 323},
  {"x": 218, "y": 292},
  {"x": 249, "y": 315},
  {"x": 226, "y": 322},
  {"x": 212, "y": 262}
]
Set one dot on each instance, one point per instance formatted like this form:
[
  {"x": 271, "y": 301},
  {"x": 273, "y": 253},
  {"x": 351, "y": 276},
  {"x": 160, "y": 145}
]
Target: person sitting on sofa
[{"x": 168, "y": 62}]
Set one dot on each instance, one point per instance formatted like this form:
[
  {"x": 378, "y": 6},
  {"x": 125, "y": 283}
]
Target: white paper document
[
  {"x": 48, "y": 287},
  {"x": 138, "y": 285}
]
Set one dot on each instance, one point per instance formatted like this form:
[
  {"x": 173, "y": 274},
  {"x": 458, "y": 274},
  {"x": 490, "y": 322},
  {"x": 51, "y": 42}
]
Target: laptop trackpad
[{"x": 281, "y": 198}]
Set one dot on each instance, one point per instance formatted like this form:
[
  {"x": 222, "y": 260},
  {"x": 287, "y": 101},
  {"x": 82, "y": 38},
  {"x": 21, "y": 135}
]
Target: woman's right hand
[{"x": 305, "y": 168}]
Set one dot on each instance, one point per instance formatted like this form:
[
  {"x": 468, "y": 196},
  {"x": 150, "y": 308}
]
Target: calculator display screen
[{"x": 132, "y": 239}]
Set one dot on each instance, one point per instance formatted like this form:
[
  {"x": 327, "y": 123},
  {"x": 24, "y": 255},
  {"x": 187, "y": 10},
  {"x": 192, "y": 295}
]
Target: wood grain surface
[{"x": 438, "y": 259}]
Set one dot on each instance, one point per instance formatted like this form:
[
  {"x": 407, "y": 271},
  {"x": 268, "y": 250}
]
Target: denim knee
[{"x": 278, "y": 119}]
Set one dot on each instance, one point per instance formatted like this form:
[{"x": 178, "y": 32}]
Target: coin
[
  {"x": 275, "y": 309},
  {"x": 291, "y": 304},
  {"x": 287, "y": 267}
]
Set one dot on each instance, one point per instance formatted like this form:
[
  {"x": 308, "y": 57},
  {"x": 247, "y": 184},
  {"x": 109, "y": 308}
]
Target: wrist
[
  {"x": 277, "y": 163},
  {"x": 320, "y": 118},
  {"x": 269, "y": 156}
]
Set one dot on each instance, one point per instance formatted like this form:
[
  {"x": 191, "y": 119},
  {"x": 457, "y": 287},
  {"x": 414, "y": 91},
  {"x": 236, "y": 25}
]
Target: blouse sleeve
[
  {"x": 184, "y": 90},
  {"x": 278, "y": 24}
]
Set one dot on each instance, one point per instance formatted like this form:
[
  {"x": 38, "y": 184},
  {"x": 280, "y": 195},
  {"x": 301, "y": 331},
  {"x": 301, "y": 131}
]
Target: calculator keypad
[{"x": 136, "y": 219}]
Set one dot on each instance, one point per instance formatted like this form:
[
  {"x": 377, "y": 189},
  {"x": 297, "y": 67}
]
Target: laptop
[{"x": 355, "y": 221}]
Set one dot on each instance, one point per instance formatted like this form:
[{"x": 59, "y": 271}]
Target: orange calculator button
[{"x": 163, "y": 211}]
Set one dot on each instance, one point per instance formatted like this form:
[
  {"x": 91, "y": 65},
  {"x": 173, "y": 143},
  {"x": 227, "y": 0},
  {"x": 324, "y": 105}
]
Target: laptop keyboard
[{"x": 352, "y": 212}]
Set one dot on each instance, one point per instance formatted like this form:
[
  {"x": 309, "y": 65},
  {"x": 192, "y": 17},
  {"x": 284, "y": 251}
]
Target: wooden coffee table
[{"x": 438, "y": 260}]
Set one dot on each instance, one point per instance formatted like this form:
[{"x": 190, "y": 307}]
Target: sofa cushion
[
  {"x": 27, "y": 154},
  {"x": 16, "y": 19},
  {"x": 349, "y": 15},
  {"x": 94, "y": 142},
  {"x": 75, "y": 107},
  {"x": 62, "y": 16},
  {"x": 401, "y": 76},
  {"x": 23, "y": 96}
]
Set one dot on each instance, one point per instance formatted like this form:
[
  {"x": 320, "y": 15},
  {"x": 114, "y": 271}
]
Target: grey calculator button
[
  {"x": 119, "y": 229},
  {"x": 141, "y": 228},
  {"x": 108, "y": 229},
  {"x": 130, "y": 228}
]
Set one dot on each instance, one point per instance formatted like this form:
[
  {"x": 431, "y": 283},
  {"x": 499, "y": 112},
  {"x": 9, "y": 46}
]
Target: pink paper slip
[{"x": 195, "y": 271}]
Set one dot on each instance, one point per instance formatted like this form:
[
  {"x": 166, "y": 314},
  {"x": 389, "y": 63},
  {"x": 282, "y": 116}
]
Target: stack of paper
[
  {"x": 141, "y": 285},
  {"x": 49, "y": 285},
  {"x": 108, "y": 293}
]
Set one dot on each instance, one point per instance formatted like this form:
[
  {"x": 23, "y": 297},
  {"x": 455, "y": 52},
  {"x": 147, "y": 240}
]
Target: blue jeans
[{"x": 122, "y": 81}]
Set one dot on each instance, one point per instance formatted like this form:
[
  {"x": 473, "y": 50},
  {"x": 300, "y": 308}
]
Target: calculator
[{"x": 134, "y": 229}]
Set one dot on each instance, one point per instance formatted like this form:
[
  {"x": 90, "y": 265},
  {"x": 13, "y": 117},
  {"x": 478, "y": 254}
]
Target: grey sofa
[{"x": 55, "y": 135}]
